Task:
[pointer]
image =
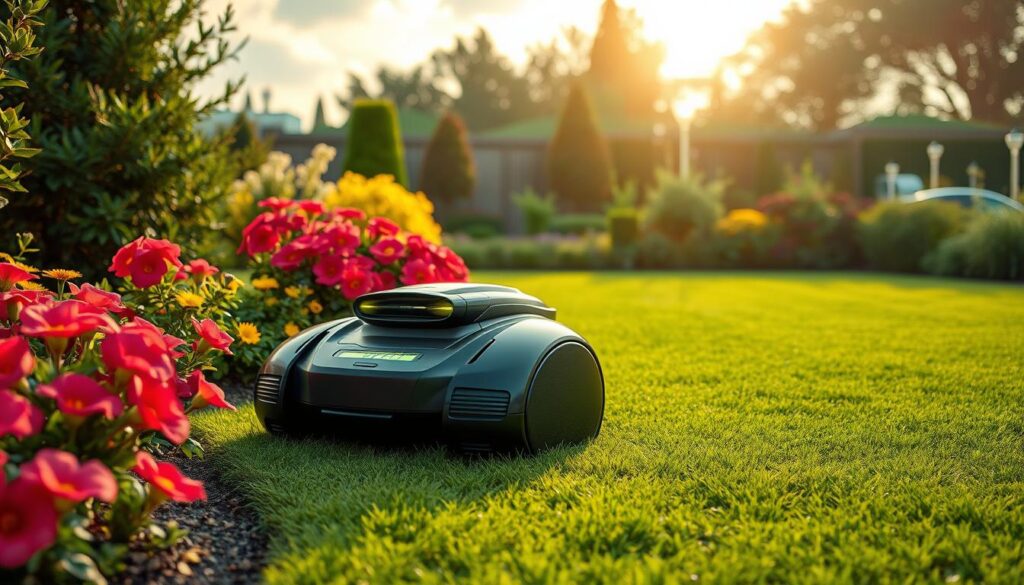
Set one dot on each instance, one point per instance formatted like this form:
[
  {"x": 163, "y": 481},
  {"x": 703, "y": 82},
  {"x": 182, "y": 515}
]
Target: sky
[{"x": 302, "y": 49}]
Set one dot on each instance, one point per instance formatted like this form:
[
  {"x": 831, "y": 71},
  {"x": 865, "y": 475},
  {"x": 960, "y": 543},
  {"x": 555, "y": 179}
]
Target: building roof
[{"x": 411, "y": 123}]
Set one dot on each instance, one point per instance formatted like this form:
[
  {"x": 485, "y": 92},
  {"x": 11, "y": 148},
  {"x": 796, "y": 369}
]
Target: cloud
[{"x": 304, "y": 13}]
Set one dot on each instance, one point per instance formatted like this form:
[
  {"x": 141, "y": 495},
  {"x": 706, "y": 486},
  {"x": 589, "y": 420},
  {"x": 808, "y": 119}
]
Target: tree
[
  {"x": 624, "y": 68},
  {"x": 319, "y": 119},
  {"x": 448, "y": 172},
  {"x": 16, "y": 43},
  {"x": 418, "y": 89},
  {"x": 374, "y": 141},
  {"x": 824, "y": 61},
  {"x": 579, "y": 164},
  {"x": 112, "y": 106},
  {"x": 491, "y": 92},
  {"x": 247, "y": 147},
  {"x": 552, "y": 67}
]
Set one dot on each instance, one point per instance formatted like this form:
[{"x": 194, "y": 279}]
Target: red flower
[
  {"x": 312, "y": 207},
  {"x": 15, "y": 300},
  {"x": 292, "y": 254},
  {"x": 384, "y": 281},
  {"x": 328, "y": 270},
  {"x": 258, "y": 238},
  {"x": 418, "y": 272},
  {"x": 200, "y": 268},
  {"x": 168, "y": 479},
  {"x": 339, "y": 239},
  {"x": 16, "y": 361},
  {"x": 356, "y": 281},
  {"x": 28, "y": 522},
  {"x": 381, "y": 226},
  {"x": 64, "y": 477},
  {"x": 206, "y": 392},
  {"x": 18, "y": 416},
  {"x": 99, "y": 298},
  {"x": 213, "y": 335},
  {"x": 64, "y": 319},
  {"x": 349, "y": 213},
  {"x": 138, "y": 349},
  {"x": 159, "y": 408},
  {"x": 387, "y": 250},
  {"x": 145, "y": 260},
  {"x": 276, "y": 203},
  {"x": 80, "y": 395},
  {"x": 11, "y": 275}
]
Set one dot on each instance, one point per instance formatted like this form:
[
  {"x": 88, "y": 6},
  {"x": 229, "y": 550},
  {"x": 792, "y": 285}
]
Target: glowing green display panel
[{"x": 379, "y": 355}]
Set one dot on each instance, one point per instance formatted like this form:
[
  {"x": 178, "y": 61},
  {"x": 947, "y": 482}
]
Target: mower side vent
[
  {"x": 268, "y": 388},
  {"x": 477, "y": 404}
]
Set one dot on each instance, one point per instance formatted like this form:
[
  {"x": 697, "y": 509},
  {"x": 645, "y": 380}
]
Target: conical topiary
[
  {"x": 374, "y": 141},
  {"x": 448, "y": 172},
  {"x": 579, "y": 163}
]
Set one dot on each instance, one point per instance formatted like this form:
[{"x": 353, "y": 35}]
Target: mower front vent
[
  {"x": 268, "y": 388},
  {"x": 476, "y": 404}
]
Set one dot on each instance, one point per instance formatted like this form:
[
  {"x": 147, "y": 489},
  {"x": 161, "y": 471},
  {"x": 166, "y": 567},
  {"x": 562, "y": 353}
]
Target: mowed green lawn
[{"x": 758, "y": 427}]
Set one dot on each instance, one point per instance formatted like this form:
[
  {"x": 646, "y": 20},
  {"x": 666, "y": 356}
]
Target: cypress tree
[
  {"x": 374, "y": 141},
  {"x": 112, "y": 104},
  {"x": 319, "y": 119},
  {"x": 579, "y": 163},
  {"x": 448, "y": 171}
]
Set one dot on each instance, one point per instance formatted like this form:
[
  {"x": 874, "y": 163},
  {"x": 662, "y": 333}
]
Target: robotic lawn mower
[{"x": 484, "y": 367}]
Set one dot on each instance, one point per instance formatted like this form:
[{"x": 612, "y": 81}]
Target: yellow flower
[
  {"x": 270, "y": 301},
  {"x": 248, "y": 333},
  {"x": 29, "y": 285},
  {"x": 10, "y": 260},
  {"x": 264, "y": 283},
  {"x": 315, "y": 307},
  {"x": 62, "y": 274},
  {"x": 382, "y": 196},
  {"x": 740, "y": 220},
  {"x": 293, "y": 291},
  {"x": 306, "y": 291},
  {"x": 291, "y": 329},
  {"x": 235, "y": 283},
  {"x": 189, "y": 300}
]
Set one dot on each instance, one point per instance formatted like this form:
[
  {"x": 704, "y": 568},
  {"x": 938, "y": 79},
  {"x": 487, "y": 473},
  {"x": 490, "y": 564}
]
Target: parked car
[{"x": 967, "y": 197}]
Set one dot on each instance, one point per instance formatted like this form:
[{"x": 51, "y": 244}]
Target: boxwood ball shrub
[
  {"x": 374, "y": 144},
  {"x": 898, "y": 236},
  {"x": 538, "y": 211},
  {"x": 992, "y": 246},
  {"x": 90, "y": 388},
  {"x": 623, "y": 226},
  {"x": 310, "y": 262},
  {"x": 679, "y": 207}
]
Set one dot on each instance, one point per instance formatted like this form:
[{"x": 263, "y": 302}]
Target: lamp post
[
  {"x": 973, "y": 174},
  {"x": 935, "y": 151},
  {"x": 684, "y": 109},
  {"x": 1014, "y": 141},
  {"x": 892, "y": 171}
]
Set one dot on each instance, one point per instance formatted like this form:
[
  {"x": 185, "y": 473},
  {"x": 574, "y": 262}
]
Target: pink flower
[
  {"x": 328, "y": 270},
  {"x": 15, "y": 300},
  {"x": 99, "y": 298},
  {"x": 381, "y": 226},
  {"x": 292, "y": 254},
  {"x": 16, "y": 361},
  {"x": 349, "y": 213},
  {"x": 200, "y": 268},
  {"x": 387, "y": 250},
  {"x": 159, "y": 408},
  {"x": 384, "y": 280},
  {"x": 145, "y": 260},
  {"x": 276, "y": 203},
  {"x": 206, "y": 392},
  {"x": 213, "y": 335},
  {"x": 258, "y": 237},
  {"x": 168, "y": 479},
  {"x": 67, "y": 479},
  {"x": 138, "y": 350},
  {"x": 18, "y": 416},
  {"x": 80, "y": 395},
  {"x": 418, "y": 272},
  {"x": 356, "y": 281},
  {"x": 11, "y": 275},
  {"x": 64, "y": 319},
  {"x": 312, "y": 207},
  {"x": 28, "y": 522}
]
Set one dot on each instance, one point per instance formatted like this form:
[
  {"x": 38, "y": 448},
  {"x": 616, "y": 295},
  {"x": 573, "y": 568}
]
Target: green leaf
[{"x": 83, "y": 567}]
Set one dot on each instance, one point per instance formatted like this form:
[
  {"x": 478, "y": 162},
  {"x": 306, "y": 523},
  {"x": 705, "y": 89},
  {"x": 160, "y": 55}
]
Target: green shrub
[
  {"x": 113, "y": 105},
  {"x": 577, "y": 224},
  {"x": 679, "y": 207},
  {"x": 991, "y": 247},
  {"x": 623, "y": 226},
  {"x": 375, "y": 141},
  {"x": 448, "y": 173},
  {"x": 16, "y": 39},
  {"x": 656, "y": 250},
  {"x": 586, "y": 253},
  {"x": 579, "y": 163},
  {"x": 537, "y": 211},
  {"x": 475, "y": 226},
  {"x": 897, "y": 236}
]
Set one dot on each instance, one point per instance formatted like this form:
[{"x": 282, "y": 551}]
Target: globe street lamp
[
  {"x": 1014, "y": 141},
  {"x": 935, "y": 151},
  {"x": 892, "y": 171}
]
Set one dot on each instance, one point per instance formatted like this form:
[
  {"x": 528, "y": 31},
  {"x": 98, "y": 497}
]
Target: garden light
[
  {"x": 892, "y": 172},
  {"x": 1014, "y": 141},
  {"x": 935, "y": 151},
  {"x": 484, "y": 367}
]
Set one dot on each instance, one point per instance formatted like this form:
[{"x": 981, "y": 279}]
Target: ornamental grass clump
[
  {"x": 310, "y": 262},
  {"x": 90, "y": 384}
]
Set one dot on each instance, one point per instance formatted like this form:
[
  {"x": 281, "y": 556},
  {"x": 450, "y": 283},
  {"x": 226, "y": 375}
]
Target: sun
[{"x": 698, "y": 35}]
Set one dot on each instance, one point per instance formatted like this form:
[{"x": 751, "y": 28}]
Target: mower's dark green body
[{"x": 482, "y": 366}]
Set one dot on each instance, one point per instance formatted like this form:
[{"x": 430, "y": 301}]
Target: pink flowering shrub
[
  {"x": 310, "y": 263},
  {"x": 87, "y": 381}
]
